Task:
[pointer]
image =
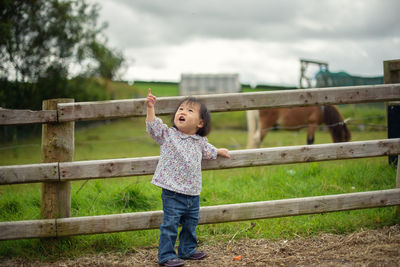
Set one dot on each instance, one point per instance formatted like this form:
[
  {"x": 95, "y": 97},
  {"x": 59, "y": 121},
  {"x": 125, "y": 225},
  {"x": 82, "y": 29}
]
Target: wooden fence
[{"x": 59, "y": 169}]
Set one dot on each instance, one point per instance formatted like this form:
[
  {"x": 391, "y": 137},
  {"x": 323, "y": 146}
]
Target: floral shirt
[{"x": 179, "y": 167}]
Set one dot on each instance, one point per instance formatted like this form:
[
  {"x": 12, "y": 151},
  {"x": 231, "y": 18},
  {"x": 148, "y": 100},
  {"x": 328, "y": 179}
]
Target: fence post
[
  {"x": 397, "y": 208},
  {"x": 391, "y": 71},
  {"x": 57, "y": 146}
]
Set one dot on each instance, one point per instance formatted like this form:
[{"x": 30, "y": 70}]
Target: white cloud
[{"x": 261, "y": 40}]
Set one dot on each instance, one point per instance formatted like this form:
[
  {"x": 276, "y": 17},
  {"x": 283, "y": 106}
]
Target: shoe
[
  {"x": 198, "y": 256},
  {"x": 173, "y": 263}
]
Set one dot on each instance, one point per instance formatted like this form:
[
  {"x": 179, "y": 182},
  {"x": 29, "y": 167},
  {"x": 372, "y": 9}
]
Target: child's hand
[
  {"x": 223, "y": 152},
  {"x": 150, "y": 100}
]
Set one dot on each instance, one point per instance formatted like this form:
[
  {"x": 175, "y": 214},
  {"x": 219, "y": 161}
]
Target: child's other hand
[
  {"x": 223, "y": 152},
  {"x": 150, "y": 100}
]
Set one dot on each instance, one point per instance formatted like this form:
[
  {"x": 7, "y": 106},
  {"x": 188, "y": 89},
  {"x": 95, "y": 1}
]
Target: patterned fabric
[{"x": 179, "y": 167}]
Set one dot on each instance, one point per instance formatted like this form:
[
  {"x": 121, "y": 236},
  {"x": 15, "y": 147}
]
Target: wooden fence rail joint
[
  {"x": 30, "y": 173},
  {"x": 26, "y": 116}
]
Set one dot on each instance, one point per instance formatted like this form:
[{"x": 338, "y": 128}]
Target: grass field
[{"x": 127, "y": 138}]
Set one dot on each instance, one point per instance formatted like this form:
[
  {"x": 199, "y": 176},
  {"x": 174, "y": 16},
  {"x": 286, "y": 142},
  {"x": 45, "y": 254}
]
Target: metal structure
[{"x": 323, "y": 66}]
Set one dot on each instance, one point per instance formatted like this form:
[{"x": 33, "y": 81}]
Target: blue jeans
[{"x": 178, "y": 209}]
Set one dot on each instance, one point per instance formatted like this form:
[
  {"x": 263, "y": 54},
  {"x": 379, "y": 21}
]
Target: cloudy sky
[{"x": 261, "y": 40}]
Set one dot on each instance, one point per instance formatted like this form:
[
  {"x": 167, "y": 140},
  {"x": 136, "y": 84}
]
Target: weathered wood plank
[
  {"x": 108, "y": 168},
  {"x": 25, "y": 116},
  {"x": 31, "y": 173},
  {"x": 391, "y": 65},
  {"x": 57, "y": 146},
  {"x": 306, "y": 153},
  {"x": 233, "y": 101},
  {"x": 209, "y": 214},
  {"x": 93, "y": 169},
  {"x": 299, "y": 206},
  {"x": 239, "y": 158},
  {"x": 100, "y": 110},
  {"x": 27, "y": 229},
  {"x": 109, "y": 223}
]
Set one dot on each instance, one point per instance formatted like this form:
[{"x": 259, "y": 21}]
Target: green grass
[
  {"x": 127, "y": 138},
  {"x": 122, "y": 90}
]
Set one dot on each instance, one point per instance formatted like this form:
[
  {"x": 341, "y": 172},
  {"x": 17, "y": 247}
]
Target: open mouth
[{"x": 181, "y": 118}]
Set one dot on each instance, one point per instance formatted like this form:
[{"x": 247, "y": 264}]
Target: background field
[{"x": 127, "y": 138}]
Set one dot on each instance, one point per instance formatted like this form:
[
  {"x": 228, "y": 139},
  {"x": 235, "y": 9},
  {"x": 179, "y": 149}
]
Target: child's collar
[{"x": 185, "y": 136}]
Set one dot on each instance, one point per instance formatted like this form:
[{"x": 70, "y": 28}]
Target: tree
[
  {"x": 38, "y": 37},
  {"x": 108, "y": 62}
]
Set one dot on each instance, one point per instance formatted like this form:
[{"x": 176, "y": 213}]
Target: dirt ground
[{"x": 366, "y": 248}]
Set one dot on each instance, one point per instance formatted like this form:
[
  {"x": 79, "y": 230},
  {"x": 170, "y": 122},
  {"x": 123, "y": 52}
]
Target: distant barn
[{"x": 200, "y": 84}]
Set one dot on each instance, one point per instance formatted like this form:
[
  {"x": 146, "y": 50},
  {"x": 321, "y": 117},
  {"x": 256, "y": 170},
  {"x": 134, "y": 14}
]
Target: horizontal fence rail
[
  {"x": 232, "y": 101},
  {"x": 78, "y": 170},
  {"x": 29, "y": 173},
  {"x": 26, "y": 116},
  {"x": 100, "y": 110},
  {"x": 209, "y": 214}
]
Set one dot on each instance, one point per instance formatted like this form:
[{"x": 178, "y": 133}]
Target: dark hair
[{"x": 204, "y": 115}]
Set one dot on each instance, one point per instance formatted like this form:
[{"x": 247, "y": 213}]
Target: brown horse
[{"x": 260, "y": 122}]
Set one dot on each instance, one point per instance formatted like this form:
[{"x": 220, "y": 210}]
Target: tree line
[{"x": 52, "y": 49}]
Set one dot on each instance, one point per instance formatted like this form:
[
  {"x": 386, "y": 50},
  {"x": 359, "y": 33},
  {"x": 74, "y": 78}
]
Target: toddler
[{"x": 178, "y": 173}]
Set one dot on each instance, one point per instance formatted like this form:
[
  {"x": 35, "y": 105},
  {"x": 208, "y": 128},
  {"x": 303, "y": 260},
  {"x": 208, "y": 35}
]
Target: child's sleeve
[
  {"x": 157, "y": 130},
  {"x": 208, "y": 150}
]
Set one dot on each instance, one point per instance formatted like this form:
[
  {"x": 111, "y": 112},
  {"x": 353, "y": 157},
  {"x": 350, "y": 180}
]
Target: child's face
[{"x": 187, "y": 118}]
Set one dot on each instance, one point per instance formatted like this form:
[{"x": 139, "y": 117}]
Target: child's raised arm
[{"x": 150, "y": 101}]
